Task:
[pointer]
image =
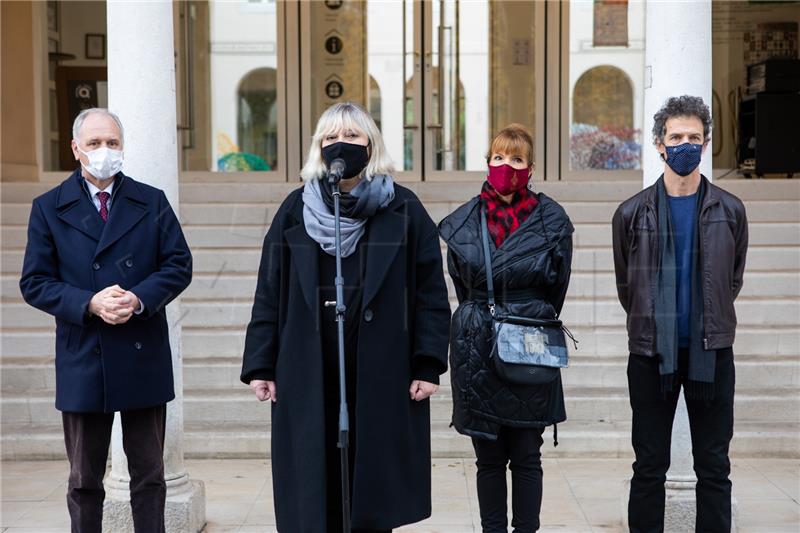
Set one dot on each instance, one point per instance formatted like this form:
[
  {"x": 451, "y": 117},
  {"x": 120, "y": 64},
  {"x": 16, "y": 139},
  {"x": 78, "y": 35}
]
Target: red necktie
[{"x": 103, "y": 197}]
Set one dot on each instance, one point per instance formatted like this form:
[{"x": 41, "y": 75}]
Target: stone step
[
  {"x": 583, "y": 404},
  {"x": 576, "y": 313},
  {"x": 245, "y": 260},
  {"x": 579, "y": 212},
  {"x": 221, "y": 375},
  {"x": 209, "y": 212},
  {"x": 593, "y": 391},
  {"x": 576, "y": 439},
  {"x": 594, "y": 234},
  {"x": 234, "y": 189},
  {"x": 241, "y": 287},
  {"x": 763, "y": 341}
]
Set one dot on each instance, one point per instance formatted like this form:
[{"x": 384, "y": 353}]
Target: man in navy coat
[{"x": 105, "y": 255}]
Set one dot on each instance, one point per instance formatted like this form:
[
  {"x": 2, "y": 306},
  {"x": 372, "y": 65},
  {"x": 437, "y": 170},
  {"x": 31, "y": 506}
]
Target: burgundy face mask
[{"x": 506, "y": 179}]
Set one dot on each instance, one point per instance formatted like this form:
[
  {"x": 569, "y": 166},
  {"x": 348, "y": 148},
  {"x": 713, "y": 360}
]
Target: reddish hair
[{"x": 514, "y": 139}]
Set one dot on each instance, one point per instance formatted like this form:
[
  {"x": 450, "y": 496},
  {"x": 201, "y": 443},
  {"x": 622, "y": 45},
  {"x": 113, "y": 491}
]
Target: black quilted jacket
[{"x": 531, "y": 272}]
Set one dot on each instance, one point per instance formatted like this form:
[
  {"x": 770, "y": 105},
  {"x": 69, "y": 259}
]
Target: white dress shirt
[{"x": 93, "y": 190}]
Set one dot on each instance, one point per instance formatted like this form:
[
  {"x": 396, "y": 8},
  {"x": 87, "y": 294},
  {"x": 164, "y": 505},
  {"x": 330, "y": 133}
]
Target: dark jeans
[
  {"x": 711, "y": 425},
  {"x": 520, "y": 447},
  {"x": 87, "y": 437}
]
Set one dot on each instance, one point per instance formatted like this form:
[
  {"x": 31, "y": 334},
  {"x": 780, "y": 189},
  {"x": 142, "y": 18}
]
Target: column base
[{"x": 185, "y": 510}]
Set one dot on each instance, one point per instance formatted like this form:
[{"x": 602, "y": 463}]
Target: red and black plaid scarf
[{"x": 502, "y": 218}]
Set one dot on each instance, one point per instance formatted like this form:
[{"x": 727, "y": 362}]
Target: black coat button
[
  {"x": 137, "y": 345},
  {"x": 368, "y": 315},
  {"x": 96, "y": 266},
  {"x": 129, "y": 263},
  {"x": 97, "y": 350}
]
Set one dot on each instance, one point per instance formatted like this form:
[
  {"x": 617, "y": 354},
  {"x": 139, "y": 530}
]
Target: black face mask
[{"x": 355, "y": 157}]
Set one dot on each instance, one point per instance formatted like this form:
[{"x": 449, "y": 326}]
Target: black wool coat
[
  {"x": 72, "y": 254},
  {"x": 405, "y": 316},
  {"x": 533, "y": 263}
]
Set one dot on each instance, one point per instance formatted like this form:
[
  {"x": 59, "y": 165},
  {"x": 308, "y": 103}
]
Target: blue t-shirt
[{"x": 683, "y": 211}]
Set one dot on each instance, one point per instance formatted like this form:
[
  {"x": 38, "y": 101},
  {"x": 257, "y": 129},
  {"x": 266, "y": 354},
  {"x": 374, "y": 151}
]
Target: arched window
[
  {"x": 602, "y": 134},
  {"x": 257, "y": 119}
]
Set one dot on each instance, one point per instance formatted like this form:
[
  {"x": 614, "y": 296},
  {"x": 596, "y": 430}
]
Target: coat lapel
[
  {"x": 127, "y": 209},
  {"x": 304, "y": 252},
  {"x": 76, "y": 209},
  {"x": 386, "y": 233}
]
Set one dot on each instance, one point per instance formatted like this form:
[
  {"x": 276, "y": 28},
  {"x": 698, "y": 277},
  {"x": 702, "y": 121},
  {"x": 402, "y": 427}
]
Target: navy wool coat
[
  {"x": 405, "y": 316},
  {"x": 71, "y": 255}
]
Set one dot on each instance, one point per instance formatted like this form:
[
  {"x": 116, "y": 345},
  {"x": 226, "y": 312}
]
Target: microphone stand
[{"x": 344, "y": 417}]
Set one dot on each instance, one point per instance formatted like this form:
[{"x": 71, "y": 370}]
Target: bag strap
[{"x": 487, "y": 257}]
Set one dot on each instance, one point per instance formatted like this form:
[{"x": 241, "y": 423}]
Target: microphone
[{"x": 336, "y": 170}]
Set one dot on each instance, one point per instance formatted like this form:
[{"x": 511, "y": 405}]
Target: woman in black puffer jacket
[{"x": 531, "y": 252}]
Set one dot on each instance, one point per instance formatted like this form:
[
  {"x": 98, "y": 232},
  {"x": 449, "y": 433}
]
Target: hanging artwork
[
  {"x": 610, "y": 23},
  {"x": 770, "y": 40}
]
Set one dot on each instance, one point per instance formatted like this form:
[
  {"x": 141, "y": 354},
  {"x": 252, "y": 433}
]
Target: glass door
[
  {"x": 369, "y": 53},
  {"x": 439, "y": 77},
  {"x": 483, "y": 70},
  {"x": 230, "y": 79}
]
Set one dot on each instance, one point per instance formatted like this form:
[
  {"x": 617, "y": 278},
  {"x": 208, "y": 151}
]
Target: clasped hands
[
  {"x": 114, "y": 305},
  {"x": 265, "y": 390}
]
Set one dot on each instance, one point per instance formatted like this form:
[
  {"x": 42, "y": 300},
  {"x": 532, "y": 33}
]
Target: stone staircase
[{"x": 225, "y": 224}]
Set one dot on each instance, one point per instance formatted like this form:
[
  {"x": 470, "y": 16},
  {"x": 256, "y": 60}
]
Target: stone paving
[{"x": 580, "y": 495}]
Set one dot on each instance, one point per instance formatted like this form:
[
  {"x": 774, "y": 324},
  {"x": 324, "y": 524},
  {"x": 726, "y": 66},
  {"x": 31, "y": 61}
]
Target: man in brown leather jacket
[{"x": 679, "y": 256}]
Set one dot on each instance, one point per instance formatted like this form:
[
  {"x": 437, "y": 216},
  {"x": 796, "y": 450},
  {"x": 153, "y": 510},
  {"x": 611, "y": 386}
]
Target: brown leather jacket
[{"x": 723, "y": 246}]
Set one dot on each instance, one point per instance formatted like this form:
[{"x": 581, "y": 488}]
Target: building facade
[{"x": 439, "y": 77}]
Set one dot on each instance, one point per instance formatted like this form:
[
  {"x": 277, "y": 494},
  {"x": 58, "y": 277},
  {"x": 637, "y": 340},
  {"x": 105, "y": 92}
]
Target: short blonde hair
[
  {"x": 514, "y": 139},
  {"x": 342, "y": 116}
]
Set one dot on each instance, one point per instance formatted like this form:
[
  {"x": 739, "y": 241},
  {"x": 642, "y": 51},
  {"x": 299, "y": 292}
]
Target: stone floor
[{"x": 580, "y": 495}]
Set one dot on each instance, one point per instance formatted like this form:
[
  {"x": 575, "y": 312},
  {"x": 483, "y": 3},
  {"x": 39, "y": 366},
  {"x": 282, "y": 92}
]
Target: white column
[
  {"x": 677, "y": 62},
  {"x": 141, "y": 90}
]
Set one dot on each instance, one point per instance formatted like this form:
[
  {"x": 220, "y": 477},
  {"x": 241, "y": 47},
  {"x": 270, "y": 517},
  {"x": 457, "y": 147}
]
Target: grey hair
[
  {"x": 334, "y": 119},
  {"x": 78, "y": 124},
  {"x": 681, "y": 106}
]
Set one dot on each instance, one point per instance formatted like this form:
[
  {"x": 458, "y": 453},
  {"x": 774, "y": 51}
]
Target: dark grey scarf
[{"x": 700, "y": 382}]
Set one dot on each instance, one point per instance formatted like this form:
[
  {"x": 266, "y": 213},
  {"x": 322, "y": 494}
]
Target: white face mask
[{"x": 104, "y": 163}]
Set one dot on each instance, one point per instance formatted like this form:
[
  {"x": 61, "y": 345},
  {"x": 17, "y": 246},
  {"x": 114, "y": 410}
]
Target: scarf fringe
[
  {"x": 699, "y": 390},
  {"x": 694, "y": 390}
]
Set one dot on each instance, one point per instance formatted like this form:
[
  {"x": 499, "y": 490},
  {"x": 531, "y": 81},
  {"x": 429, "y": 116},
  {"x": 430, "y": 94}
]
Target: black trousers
[
  {"x": 522, "y": 449},
  {"x": 711, "y": 425},
  {"x": 87, "y": 437}
]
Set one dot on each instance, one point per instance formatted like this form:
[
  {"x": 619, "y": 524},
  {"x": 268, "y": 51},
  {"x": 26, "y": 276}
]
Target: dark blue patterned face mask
[{"x": 684, "y": 158}]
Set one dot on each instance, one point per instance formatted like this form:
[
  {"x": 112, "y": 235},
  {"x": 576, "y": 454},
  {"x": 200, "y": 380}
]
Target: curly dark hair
[{"x": 681, "y": 106}]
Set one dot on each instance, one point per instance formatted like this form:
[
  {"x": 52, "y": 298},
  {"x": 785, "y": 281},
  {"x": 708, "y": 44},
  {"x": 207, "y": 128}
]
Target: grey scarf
[
  {"x": 702, "y": 362},
  {"x": 370, "y": 196}
]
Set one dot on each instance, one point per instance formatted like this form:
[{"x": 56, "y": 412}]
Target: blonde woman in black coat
[{"x": 396, "y": 332}]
